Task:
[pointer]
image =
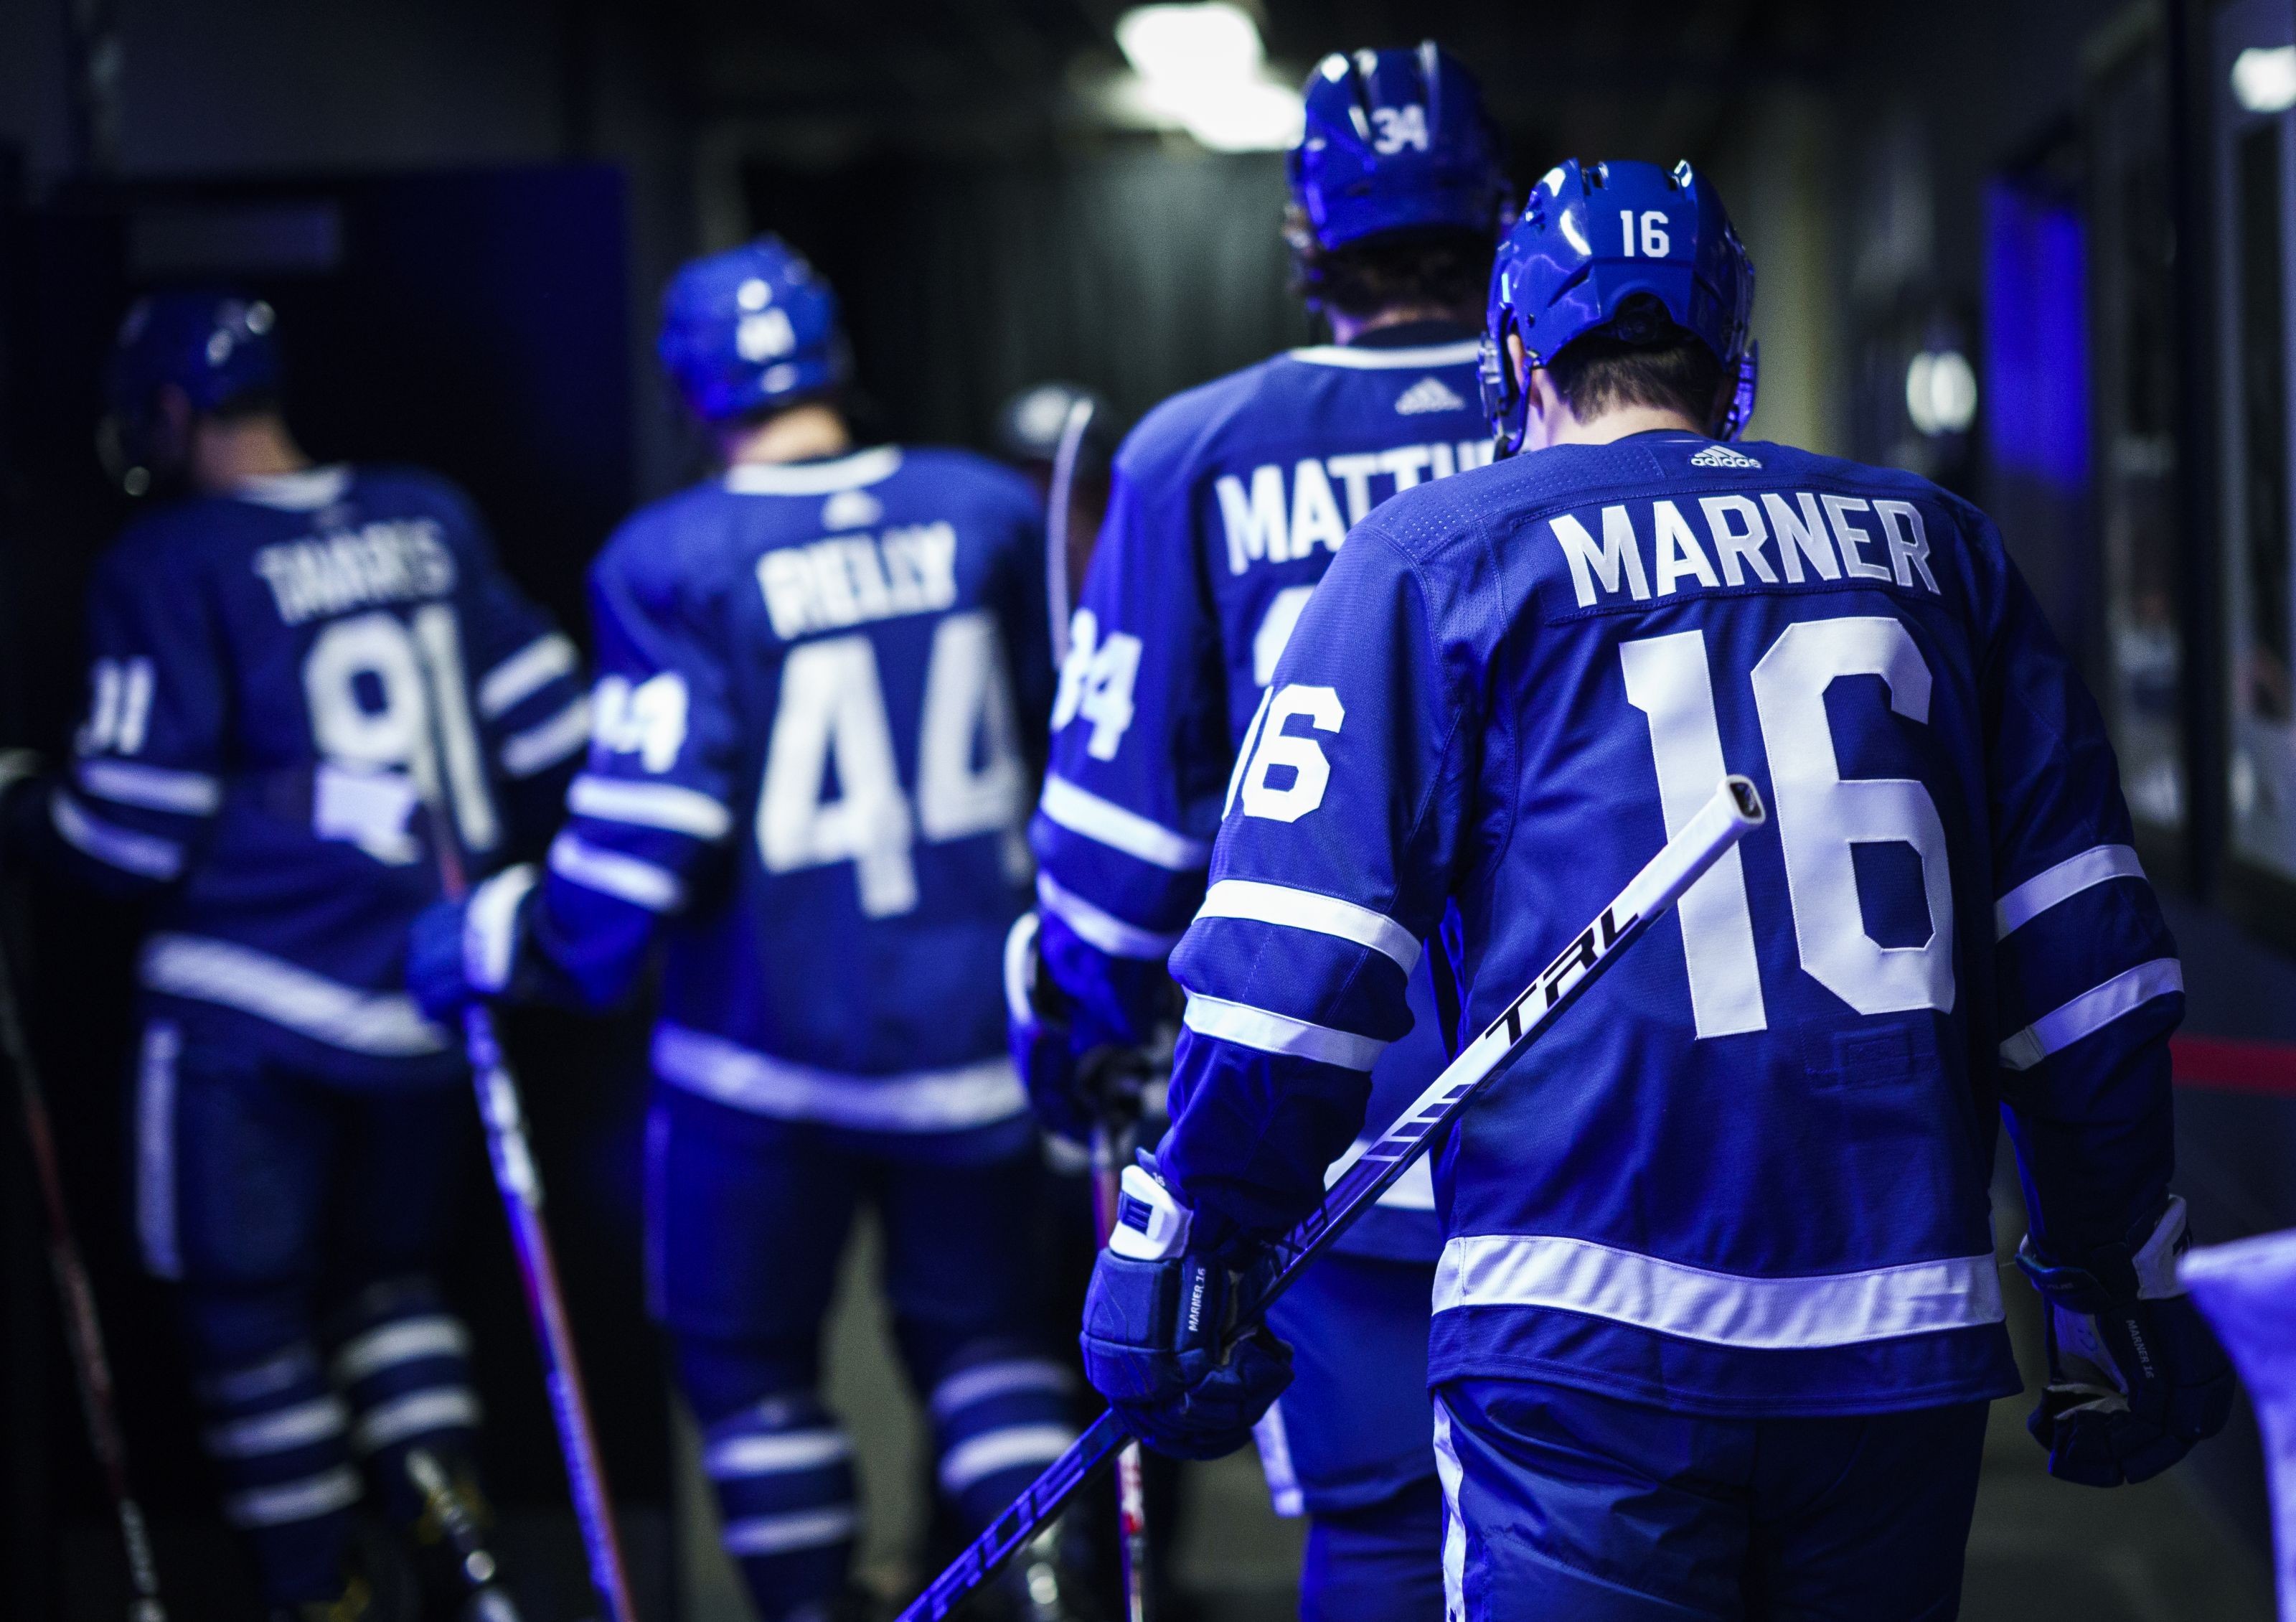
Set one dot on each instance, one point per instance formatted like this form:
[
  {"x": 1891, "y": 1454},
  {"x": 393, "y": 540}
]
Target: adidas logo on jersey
[
  {"x": 1722, "y": 455},
  {"x": 851, "y": 509},
  {"x": 1427, "y": 394}
]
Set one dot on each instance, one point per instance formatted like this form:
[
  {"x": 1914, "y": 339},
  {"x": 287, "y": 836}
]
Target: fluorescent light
[
  {"x": 2264, "y": 79},
  {"x": 1201, "y": 66},
  {"x": 1942, "y": 392}
]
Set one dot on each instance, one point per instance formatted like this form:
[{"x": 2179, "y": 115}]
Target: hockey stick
[
  {"x": 1734, "y": 811},
  {"x": 1057, "y": 586},
  {"x": 1131, "y": 1489},
  {"x": 83, "y": 1333},
  {"x": 522, "y": 1197}
]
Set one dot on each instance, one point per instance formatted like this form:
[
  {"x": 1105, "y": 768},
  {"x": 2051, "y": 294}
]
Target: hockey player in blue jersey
[
  {"x": 1230, "y": 501},
  {"x": 1718, "y": 1317},
  {"x": 823, "y": 676},
  {"x": 301, "y": 675}
]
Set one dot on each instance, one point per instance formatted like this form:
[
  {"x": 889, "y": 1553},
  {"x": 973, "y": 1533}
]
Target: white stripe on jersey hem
[
  {"x": 155, "y": 1150},
  {"x": 525, "y": 673},
  {"x": 1274, "y": 1444},
  {"x": 409, "y": 1341},
  {"x": 1839, "y": 1309},
  {"x": 284, "y": 1430},
  {"x": 223, "y": 972},
  {"x": 980, "y": 1457},
  {"x": 797, "y": 1529},
  {"x": 541, "y": 746},
  {"x": 193, "y": 794},
  {"x": 490, "y": 927},
  {"x": 782, "y": 1454},
  {"x": 662, "y": 805},
  {"x": 304, "y": 491},
  {"x": 913, "y": 1101},
  {"x": 291, "y": 1501},
  {"x": 118, "y": 847},
  {"x": 983, "y": 1381},
  {"x": 1262, "y": 903},
  {"x": 1081, "y": 812},
  {"x": 1272, "y": 1032},
  {"x": 1104, "y": 930},
  {"x": 416, "y": 1413},
  {"x": 1358, "y": 359},
  {"x": 863, "y": 467},
  {"x": 2091, "y": 1011},
  {"x": 2070, "y": 876},
  {"x": 626, "y": 878}
]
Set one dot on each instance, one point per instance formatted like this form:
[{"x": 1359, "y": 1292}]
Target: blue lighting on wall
[{"x": 2036, "y": 338}]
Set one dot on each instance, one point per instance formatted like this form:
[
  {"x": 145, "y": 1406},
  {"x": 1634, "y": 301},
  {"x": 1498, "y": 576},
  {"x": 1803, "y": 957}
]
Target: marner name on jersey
[{"x": 1833, "y": 536}]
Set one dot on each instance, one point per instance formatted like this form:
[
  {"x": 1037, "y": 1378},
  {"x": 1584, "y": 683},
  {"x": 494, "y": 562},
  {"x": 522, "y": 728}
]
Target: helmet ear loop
[
  {"x": 1503, "y": 398},
  {"x": 1740, "y": 412}
]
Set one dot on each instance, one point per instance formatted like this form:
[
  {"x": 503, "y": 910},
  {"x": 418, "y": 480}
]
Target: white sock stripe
[
  {"x": 1260, "y": 903},
  {"x": 798, "y": 1529},
  {"x": 307, "y": 1499},
  {"x": 626, "y": 878},
  {"x": 966, "y": 1387},
  {"x": 979, "y": 1457},
  {"x": 773, "y": 1454},
  {"x": 525, "y": 673},
  {"x": 1105, "y": 822},
  {"x": 540, "y": 747},
  {"x": 2094, "y": 866},
  {"x": 2091, "y": 1012},
  {"x": 415, "y": 1414},
  {"x": 406, "y": 1341},
  {"x": 1274, "y": 1032},
  {"x": 278, "y": 1432}
]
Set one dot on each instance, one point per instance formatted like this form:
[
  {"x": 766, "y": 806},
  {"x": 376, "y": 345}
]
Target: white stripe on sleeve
[
  {"x": 160, "y": 788},
  {"x": 1095, "y": 927},
  {"x": 525, "y": 673},
  {"x": 1081, "y": 812},
  {"x": 122, "y": 848},
  {"x": 2091, "y": 1011},
  {"x": 540, "y": 747},
  {"x": 611, "y": 873},
  {"x": 1245, "y": 898},
  {"x": 2068, "y": 878},
  {"x": 662, "y": 805},
  {"x": 1272, "y": 1033}
]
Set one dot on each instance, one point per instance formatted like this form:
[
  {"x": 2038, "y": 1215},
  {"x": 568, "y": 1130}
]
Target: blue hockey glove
[
  {"x": 2135, "y": 1376},
  {"x": 1154, "y": 1321},
  {"x": 458, "y": 951}
]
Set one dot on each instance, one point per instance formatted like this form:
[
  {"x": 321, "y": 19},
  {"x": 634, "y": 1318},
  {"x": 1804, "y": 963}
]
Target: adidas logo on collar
[
  {"x": 1427, "y": 394},
  {"x": 1720, "y": 456}
]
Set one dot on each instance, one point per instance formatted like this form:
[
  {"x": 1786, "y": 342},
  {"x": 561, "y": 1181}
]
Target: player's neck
[
  {"x": 1348, "y": 329},
  {"x": 1563, "y": 428},
  {"x": 226, "y": 453},
  {"x": 803, "y": 434}
]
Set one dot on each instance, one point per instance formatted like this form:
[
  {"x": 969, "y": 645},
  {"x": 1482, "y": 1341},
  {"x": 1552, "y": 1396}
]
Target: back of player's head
[
  {"x": 214, "y": 348},
  {"x": 1397, "y": 185},
  {"x": 751, "y": 329},
  {"x": 1624, "y": 279}
]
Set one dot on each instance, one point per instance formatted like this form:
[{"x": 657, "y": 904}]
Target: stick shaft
[
  {"x": 1734, "y": 812},
  {"x": 83, "y": 1329},
  {"x": 1059, "y": 590},
  {"x": 1131, "y": 1486}
]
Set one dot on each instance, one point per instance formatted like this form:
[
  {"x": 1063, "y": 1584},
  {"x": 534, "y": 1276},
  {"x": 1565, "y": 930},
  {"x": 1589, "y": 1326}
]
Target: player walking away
[
  {"x": 1229, "y": 503},
  {"x": 1716, "y": 1317},
  {"x": 820, "y": 675},
  {"x": 301, "y": 674}
]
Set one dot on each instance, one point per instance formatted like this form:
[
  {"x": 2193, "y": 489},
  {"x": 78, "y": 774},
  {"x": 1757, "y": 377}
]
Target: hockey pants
[
  {"x": 299, "y": 1221},
  {"x": 1564, "y": 1506},
  {"x": 747, "y": 1221}
]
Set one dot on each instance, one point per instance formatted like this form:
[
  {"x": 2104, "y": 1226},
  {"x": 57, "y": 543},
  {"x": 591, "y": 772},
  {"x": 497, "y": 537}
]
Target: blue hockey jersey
[
  {"x": 1748, "y": 1173},
  {"x": 1228, "y": 502},
  {"x": 819, "y": 687},
  {"x": 285, "y": 681}
]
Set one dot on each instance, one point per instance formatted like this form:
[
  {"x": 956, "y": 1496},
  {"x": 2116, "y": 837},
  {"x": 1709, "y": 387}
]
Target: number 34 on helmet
[{"x": 1593, "y": 237}]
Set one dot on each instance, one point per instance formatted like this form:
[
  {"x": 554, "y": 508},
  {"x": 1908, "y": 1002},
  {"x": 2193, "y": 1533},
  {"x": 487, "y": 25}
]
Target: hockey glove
[
  {"x": 458, "y": 952},
  {"x": 2135, "y": 1376},
  {"x": 1079, "y": 1070},
  {"x": 1155, "y": 1321}
]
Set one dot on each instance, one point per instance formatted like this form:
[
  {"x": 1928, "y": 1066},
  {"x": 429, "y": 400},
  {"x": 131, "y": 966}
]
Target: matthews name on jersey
[
  {"x": 283, "y": 679},
  {"x": 1750, "y": 1173},
  {"x": 819, "y": 685}
]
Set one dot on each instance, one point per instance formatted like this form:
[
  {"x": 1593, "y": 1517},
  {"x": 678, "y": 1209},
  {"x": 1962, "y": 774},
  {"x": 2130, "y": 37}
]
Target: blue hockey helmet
[
  {"x": 751, "y": 328},
  {"x": 214, "y": 347},
  {"x": 1396, "y": 141},
  {"x": 1591, "y": 238}
]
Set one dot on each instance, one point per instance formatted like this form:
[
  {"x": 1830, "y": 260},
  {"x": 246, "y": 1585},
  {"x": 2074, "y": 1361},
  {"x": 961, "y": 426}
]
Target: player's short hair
[
  {"x": 1641, "y": 358},
  {"x": 1443, "y": 267},
  {"x": 247, "y": 405}
]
